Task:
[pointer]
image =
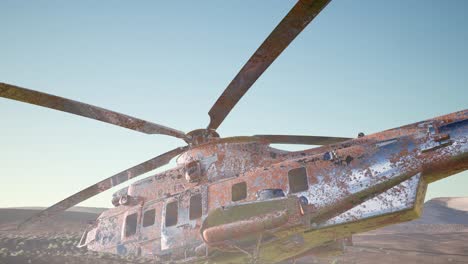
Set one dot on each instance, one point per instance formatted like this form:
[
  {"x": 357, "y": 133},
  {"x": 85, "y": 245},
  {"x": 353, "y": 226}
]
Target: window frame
[
  {"x": 126, "y": 225},
  {"x": 153, "y": 218},
  {"x": 235, "y": 190},
  {"x": 199, "y": 212},
  {"x": 176, "y": 213},
  {"x": 297, "y": 188}
]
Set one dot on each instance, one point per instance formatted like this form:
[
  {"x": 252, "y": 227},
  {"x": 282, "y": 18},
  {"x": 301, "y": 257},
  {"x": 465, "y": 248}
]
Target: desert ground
[{"x": 439, "y": 236}]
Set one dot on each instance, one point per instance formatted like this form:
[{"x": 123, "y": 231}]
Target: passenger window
[
  {"x": 298, "y": 180},
  {"x": 171, "y": 213},
  {"x": 195, "y": 207},
  {"x": 131, "y": 224},
  {"x": 148, "y": 218},
  {"x": 239, "y": 191}
]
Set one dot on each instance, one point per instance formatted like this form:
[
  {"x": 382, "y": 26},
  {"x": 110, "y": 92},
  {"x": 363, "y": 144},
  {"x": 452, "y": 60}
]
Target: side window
[
  {"x": 131, "y": 224},
  {"x": 171, "y": 213},
  {"x": 298, "y": 180},
  {"x": 239, "y": 191},
  {"x": 148, "y": 217},
  {"x": 195, "y": 207}
]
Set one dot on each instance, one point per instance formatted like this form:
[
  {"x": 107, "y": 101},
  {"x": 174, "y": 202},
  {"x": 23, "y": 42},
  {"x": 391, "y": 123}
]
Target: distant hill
[
  {"x": 439, "y": 215},
  {"x": 445, "y": 211},
  {"x": 72, "y": 221},
  {"x": 440, "y": 235}
]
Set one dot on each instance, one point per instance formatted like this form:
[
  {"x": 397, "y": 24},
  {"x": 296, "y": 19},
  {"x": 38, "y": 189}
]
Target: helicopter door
[
  {"x": 150, "y": 230},
  {"x": 196, "y": 207},
  {"x": 171, "y": 234},
  {"x": 130, "y": 232},
  {"x": 181, "y": 220}
]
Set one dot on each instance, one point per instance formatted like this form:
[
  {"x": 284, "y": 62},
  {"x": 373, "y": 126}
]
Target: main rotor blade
[
  {"x": 106, "y": 184},
  {"x": 291, "y": 25},
  {"x": 66, "y": 105},
  {"x": 305, "y": 140}
]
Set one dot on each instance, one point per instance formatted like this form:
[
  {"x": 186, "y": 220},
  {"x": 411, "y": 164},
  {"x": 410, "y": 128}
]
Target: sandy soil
[{"x": 439, "y": 236}]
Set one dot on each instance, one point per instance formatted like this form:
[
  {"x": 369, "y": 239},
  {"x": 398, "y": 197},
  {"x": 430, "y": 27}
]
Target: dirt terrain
[{"x": 439, "y": 236}]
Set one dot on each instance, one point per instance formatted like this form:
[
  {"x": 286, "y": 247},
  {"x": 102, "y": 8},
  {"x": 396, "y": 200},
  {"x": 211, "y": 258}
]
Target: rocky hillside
[
  {"x": 439, "y": 215},
  {"x": 70, "y": 222},
  {"x": 439, "y": 236},
  {"x": 445, "y": 211}
]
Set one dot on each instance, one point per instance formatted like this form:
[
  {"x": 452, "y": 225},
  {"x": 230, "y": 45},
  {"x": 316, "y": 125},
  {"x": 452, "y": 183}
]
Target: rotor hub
[{"x": 200, "y": 136}]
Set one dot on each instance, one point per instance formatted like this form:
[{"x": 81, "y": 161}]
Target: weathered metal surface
[
  {"x": 306, "y": 140},
  {"x": 398, "y": 198},
  {"x": 106, "y": 184},
  {"x": 230, "y": 157},
  {"x": 243, "y": 228},
  {"x": 326, "y": 194},
  {"x": 292, "y": 24},
  {"x": 353, "y": 186},
  {"x": 239, "y": 221},
  {"x": 97, "y": 113}
]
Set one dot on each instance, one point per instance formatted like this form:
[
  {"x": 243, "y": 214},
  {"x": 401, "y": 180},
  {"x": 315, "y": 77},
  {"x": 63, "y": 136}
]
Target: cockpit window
[
  {"x": 148, "y": 218},
  {"x": 171, "y": 213},
  {"x": 195, "y": 207},
  {"x": 298, "y": 180},
  {"x": 131, "y": 224}
]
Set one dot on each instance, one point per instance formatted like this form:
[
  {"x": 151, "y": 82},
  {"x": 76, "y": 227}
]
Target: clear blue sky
[{"x": 363, "y": 65}]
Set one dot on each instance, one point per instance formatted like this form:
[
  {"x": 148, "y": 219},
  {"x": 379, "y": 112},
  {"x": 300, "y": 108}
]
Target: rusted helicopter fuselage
[{"x": 236, "y": 199}]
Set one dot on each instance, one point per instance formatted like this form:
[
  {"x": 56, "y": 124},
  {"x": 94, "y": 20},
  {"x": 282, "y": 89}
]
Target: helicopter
[{"x": 239, "y": 200}]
